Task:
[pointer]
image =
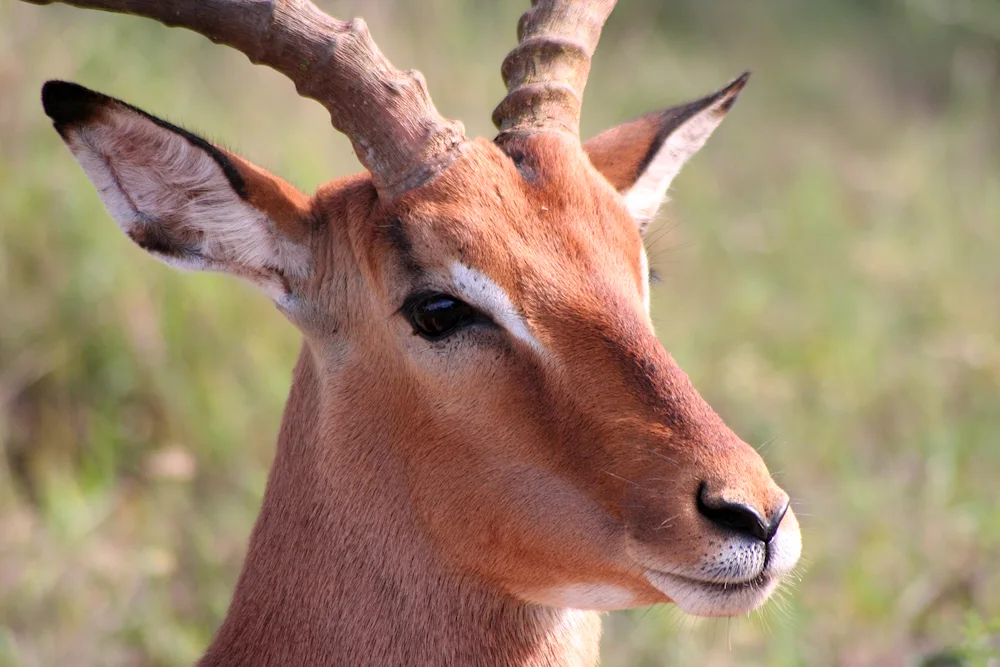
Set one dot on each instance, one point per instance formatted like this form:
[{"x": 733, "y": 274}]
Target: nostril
[{"x": 738, "y": 517}]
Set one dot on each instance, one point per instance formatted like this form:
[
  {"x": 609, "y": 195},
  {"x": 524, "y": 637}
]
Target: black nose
[{"x": 739, "y": 517}]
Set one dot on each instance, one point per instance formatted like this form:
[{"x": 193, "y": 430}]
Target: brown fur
[
  {"x": 426, "y": 497},
  {"x": 395, "y": 535},
  {"x": 281, "y": 201}
]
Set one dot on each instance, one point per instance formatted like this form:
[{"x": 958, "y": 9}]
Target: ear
[
  {"x": 641, "y": 158},
  {"x": 180, "y": 198}
]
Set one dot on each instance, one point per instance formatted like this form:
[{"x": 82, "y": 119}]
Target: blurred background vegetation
[{"x": 830, "y": 277}]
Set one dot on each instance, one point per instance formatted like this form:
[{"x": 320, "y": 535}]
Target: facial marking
[{"x": 478, "y": 289}]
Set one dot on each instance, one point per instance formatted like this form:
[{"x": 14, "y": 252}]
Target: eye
[{"x": 436, "y": 316}]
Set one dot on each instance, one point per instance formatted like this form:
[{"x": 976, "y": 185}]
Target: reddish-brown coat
[{"x": 448, "y": 502}]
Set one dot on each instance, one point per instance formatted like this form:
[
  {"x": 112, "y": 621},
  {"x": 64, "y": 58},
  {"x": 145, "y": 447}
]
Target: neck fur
[{"x": 338, "y": 571}]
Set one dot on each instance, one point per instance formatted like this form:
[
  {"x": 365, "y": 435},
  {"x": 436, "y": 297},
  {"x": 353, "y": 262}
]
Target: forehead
[{"x": 544, "y": 217}]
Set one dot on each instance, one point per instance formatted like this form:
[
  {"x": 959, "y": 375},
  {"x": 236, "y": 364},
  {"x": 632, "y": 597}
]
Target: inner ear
[
  {"x": 642, "y": 157},
  {"x": 181, "y": 198}
]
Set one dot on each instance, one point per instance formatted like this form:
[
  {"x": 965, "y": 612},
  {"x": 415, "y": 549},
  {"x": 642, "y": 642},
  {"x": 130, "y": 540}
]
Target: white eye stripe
[{"x": 479, "y": 290}]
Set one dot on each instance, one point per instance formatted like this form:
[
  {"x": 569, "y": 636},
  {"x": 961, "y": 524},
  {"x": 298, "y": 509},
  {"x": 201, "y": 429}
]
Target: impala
[{"x": 485, "y": 444}]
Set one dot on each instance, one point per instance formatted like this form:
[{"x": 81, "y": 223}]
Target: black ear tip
[
  {"x": 732, "y": 90},
  {"x": 69, "y": 103},
  {"x": 737, "y": 84}
]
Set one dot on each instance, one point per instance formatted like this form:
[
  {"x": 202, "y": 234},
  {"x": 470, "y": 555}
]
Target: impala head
[{"x": 483, "y": 306}]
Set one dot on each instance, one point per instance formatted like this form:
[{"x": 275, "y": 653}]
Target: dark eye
[{"x": 435, "y": 316}]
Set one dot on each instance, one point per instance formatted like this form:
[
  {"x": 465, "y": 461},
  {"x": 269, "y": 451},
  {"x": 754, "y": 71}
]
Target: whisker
[
  {"x": 627, "y": 481},
  {"x": 666, "y": 522},
  {"x": 762, "y": 447},
  {"x": 664, "y": 457}
]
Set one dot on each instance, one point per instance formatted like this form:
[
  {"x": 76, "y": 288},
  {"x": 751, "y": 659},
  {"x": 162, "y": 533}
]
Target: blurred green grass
[{"x": 830, "y": 279}]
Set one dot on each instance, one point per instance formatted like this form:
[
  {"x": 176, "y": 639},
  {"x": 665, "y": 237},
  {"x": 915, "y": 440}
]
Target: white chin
[{"x": 711, "y": 599}]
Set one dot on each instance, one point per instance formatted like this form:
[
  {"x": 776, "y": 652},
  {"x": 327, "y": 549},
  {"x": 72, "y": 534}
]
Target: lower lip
[{"x": 758, "y": 582}]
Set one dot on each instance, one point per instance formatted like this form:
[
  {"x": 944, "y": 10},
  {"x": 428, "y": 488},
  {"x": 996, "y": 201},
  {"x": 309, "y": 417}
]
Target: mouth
[
  {"x": 702, "y": 597},
  {"x": 759, "y": 581}
]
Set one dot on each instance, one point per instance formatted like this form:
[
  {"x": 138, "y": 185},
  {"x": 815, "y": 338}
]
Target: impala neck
[{"x": 339, "y": 573}]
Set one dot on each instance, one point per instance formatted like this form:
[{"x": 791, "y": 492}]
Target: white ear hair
[
  {"x": 694, "y": 125},
  {"x": 175, "y": 195}
]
